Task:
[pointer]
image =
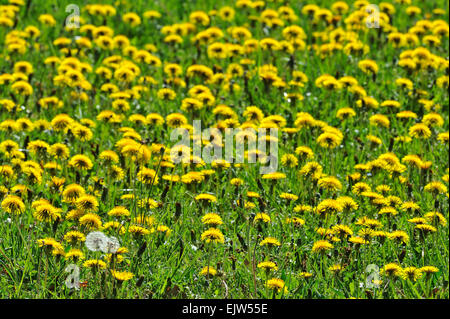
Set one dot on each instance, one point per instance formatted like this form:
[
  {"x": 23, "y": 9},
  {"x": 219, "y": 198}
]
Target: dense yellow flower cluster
[{"x": 359, "y": 103}]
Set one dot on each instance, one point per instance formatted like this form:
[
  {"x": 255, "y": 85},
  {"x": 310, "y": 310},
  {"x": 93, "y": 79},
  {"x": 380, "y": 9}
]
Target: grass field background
[{"x": 358, "y": 207}]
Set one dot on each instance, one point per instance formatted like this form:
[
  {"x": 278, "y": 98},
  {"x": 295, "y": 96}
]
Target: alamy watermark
[
  {"x": 210, "y": 145},
  {"x": 73, "y": 19},
  {"x": 373, "y": 279},
  {"x": 373, "y": 19}
]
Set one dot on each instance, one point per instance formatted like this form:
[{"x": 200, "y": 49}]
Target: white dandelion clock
[
  {"x": 96, "y": 241},
  {"x": 112, "y": 245}
]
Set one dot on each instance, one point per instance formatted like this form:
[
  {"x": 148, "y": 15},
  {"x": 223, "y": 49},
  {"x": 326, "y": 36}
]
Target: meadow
[{"x": 93, "y": 204}]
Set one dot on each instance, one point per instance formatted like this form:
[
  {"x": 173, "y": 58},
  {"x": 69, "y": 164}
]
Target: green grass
[{"x": 169, "y": 266}]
